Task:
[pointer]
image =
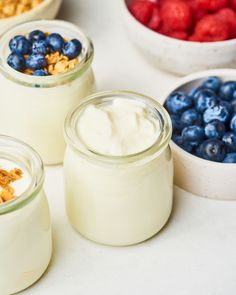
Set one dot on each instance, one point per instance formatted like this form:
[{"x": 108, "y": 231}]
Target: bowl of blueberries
[{"x": 202, "y": 107}]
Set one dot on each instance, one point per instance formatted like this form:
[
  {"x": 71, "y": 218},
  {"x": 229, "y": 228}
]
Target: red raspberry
[
  {"x": 142, "y": 11},
  {"x": 229, "y": 17},
  {"x": 195, "y": 38},
  {"x": 212, "y": 5},
  {"x": 198, "y": 12},
  {"x": 176, "y": 15},
  {"x": 182, "y": 35},
  {"x": 155, "y": 20},
  {"x": 232, "y": 3},
  {"x": 211, "y": 28}
]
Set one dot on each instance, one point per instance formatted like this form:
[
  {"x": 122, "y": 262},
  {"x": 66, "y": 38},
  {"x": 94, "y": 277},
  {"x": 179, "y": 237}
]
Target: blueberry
[
  {"x": 55, "y": 42},
  {"x": 194, "y": 92},
  {"x": 16, "y": 61},
  {"x": 233, "y": 123},
  {"x": 184, "y": 145},
  {"x": 40, "y": 73},
  {"x": 19, "y": 44},
  {"x": 193, "y": 135},
  {"x": 227, "y": 90},
  {"x": 72, "y": 49},
  {"x": 214, "y": 129},
  {"x": 212, "y": 150},
  {"x": 176, "y": 123},
  {"x": 230, "y": 158},
  {"x": 233, "y": 105},
  {"x": 36, "y": 35},
  {"x": 205, "y": 99},
  {"x": 190, "y": 117},
  {"x": 218, "y": 112},
  {"x": 226, "y": 104},
  {"x": 212, "y": 83},
  {"x": 40, "y": 47},
  {"x": 178, "y": 102},
  {"x": 36, "y": 62},
  {"x": 229, "y": 139}
]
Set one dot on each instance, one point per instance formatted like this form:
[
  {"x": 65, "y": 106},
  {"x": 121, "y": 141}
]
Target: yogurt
[
  {"x": 25, "y": 226},
  {"x": 118, "y": 168},
  {"x": 35, "y": 107}
]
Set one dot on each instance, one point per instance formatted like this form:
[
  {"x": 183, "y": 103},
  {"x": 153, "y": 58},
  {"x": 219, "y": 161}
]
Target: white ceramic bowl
[
  {"x": 198, "y": 176},
  {"x": 48, "y": 9},
  {"x": 177, "y": 56}
]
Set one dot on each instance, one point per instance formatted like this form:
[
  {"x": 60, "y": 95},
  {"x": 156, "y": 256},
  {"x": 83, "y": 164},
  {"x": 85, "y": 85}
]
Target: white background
[{"x": 195, "y": 254}]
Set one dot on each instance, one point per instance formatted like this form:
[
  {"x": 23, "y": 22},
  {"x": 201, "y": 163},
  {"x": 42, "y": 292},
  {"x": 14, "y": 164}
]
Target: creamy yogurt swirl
[{"x": 121, "y": 128}]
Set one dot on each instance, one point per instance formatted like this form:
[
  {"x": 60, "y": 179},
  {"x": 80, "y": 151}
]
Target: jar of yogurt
[
  {"x": 118, "y": 168},
  {"x": 25, "y": 226},
  {"x": 35, "y": 107}
]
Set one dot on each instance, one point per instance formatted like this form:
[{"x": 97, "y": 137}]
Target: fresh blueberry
[
  {"x": 175, "y": 119},
  {"x": 205, "y": 99},
  {"x": 40, "y": 73},
  {"x": 227, "y": 90},
  {"x": 16, "y": 61},
  {"x": 233, "y": 123},
  {"x": 218, "y": 112},
  {"x": 212, "y": 83},
  {"x": 55, "y": 42},
  {"x": 193, "y": 135},
  {"x": 72, "y": 49},
  {"x": 190, "y": 117},
  {"x": 230, "y": 158},
  {"x": 40, "y": 47},
  {"x": 184, "y": 145},
  {"x": 36, "y": 35},
  {"x": 233, "y": 105},
  {"x": 194, "y": 92},
  {"x": 226, "y": 104},
  {"x": 214, "y": 129},
  {"x": 19, "y": 44},
  {"x": 212, "y": 150},
  {"x": 36, "y": 62},
  {"x": 178, "y": 102},
  {"x": 229, "y": 139}
]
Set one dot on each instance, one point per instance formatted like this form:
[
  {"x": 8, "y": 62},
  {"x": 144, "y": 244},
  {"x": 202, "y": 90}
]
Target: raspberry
[
  {"x": 229, "y": 17},
  {"x": 155, "y": 20},
  {"x": 181, "y": 35},
  {"x": 142, "y": 10},
  {"x": 211, "y": 28},
  {"x": 212, "y": 5},
  {"x": 198, "y": 12},
  {"x": 195, "y": 38},
  {"x": 176, "y": 15}
]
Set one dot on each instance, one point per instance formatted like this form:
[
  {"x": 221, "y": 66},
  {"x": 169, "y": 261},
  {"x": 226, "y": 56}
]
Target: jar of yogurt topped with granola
[
  {"x": 45, "y": 70},
  {"x": 25, "y": 225}
]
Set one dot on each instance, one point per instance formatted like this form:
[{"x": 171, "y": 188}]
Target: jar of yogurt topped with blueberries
[{"x": 45, "y": 70}]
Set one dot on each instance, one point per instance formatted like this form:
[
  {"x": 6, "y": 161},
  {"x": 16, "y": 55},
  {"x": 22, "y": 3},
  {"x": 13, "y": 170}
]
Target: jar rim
[
  {"x": 72, "y": 139},
  {"x": 36, "y": 171},
  {"x": 53, "y": 80}
]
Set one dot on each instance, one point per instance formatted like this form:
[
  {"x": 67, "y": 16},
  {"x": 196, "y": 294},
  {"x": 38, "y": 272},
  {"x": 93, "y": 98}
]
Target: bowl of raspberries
[
  {"x": 183, "y": 36},
  {"x": 202, "y": 108}
]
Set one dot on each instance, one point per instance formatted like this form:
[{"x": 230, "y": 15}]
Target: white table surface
[{"x": 195, "y": 254}]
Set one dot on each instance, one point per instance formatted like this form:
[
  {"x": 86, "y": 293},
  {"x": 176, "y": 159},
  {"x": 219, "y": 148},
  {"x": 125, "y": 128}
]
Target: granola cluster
[
  {"x": 7, "y": 192},
  {"x": 10, "y": 8}
]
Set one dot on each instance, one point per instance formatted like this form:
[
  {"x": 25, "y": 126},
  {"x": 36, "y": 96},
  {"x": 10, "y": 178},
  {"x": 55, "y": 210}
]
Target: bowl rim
[
  {"x": 182, "y": 82},
  {"x": 40, "y": 6},
  {"x": 175, "y": 41}
]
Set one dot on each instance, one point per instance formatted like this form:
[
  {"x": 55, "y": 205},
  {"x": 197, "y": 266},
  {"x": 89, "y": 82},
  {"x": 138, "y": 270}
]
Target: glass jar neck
[
  {"x": 68, "y": 31},
  {"x": 155, "y": 110},
  {"x": 24, "y": 157}
]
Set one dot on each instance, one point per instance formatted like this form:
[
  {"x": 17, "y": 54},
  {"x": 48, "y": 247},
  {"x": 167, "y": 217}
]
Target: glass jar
[
  {"x": 25, "y": 225},
  {"x": 118, "y": 200},
  {"x": 35, "y": 107}
]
